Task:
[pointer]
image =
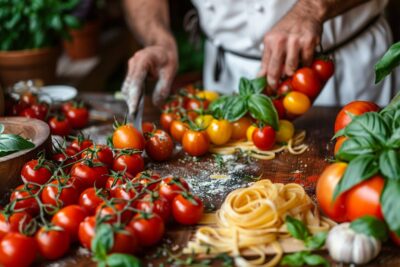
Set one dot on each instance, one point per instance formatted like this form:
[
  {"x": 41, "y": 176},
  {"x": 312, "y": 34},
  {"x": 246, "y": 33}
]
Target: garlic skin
[{"x": 347, "y": 246}]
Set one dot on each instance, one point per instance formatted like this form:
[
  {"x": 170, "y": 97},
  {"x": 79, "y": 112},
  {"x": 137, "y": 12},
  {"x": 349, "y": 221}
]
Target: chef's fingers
[
  {"x": 308, "y": 48},
  {"x": 292, "y": 58},
  {"x": 163, "y": 86},
  {"x": 264, "y": 61},
  {"x": 276, "y": 61}
]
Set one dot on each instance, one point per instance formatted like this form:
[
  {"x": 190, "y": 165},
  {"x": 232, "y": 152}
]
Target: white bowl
[{"x": 59, "y": 93}]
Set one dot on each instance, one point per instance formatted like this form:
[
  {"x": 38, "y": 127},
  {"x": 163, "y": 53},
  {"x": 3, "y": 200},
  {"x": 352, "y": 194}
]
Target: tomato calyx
[
  {"x": 42, "y": 162},
  {"x": 189, "y": 197}
]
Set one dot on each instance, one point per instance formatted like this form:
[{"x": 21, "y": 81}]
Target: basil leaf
[
  {"x": 245, "y": 87},
  {"x": 354, "y": 147},
  {"x": 262, "y": 108},
  {"x": 394, "y": 140},
  {"x": 390, "y": 204},
  {"x": 295, "y": 259},
  {"x": 368, "y": 125},
  {"x": 359, "y": 169},
  {"x": 316, "y": 241},
  {"x": 259, "y": 84},
  {"x": 235, "y": 108},
  {"x": 389, "y": 164},
  {"x": 296, "y": 228},
  {"x": 315, "y": 260},
  {"x": 217, "y": 107},
  {"x": 370, "y": 226},
  {"x": 122, "y": 260},
  {"x": 13, "y": 142},
  {"x": 103, "y": 241},
  {"x": 387, "y": 63}
]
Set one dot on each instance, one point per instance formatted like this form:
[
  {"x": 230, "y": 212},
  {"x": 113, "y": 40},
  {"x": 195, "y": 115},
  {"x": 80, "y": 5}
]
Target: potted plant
[{"x": 30, "y": 32}]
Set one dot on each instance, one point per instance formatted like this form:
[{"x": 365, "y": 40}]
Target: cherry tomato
[
  {"x": 41, "y": 110},
  {"x": 339, "y": 143},
  {"x": 149, "y": 230},
  {"x": 195, "y": 143},
  {"x": 29, "y": 113},
  {"x": 239, "y": 128},
  {"x": 17, "y": 250},
  {"x": 192, "y": 115},
  {"x": 89, "y": 200},
  {"x": 14, "y": 222},
  {"x": 153, "y": 203},
  {"x": 196, "y": 104},
  {"x": 69, "y": 219},
  {"x": 249, "y": 132},
  {"x": 148, "y": 180},
  {"x": 167, "y": 118},
  {"x": 280, "y": 109},
  {"x": 87, "y": 175},
  {"x": 171, "y": 186},
  {"x": 219, "y": 131},
  {"x": 355, "y": 108},
  {"x": 264, "y": 138},
  {"x": 324, "y": 190},
  {"x": 52, "y": 244},
  {"x": 111, "y": 212},
  {"x": 78, "y": 116},
  {"x": 296, "y": 103},
  {"x": 125, "y": 242},
  {"x": 187, "y": 210},
  {"x": 87, "y": 230},
  {"x": 29, "y": 98},
  {"x": 159, "y": 145},
  {"x": 306, "y": 81},
  {"x": 364, "y": 199},
  {"x": 127, "y": 191},
  {"x": 148, "y": 127},
  {"x": 131, "y": 163},
  {"x": 51, "y": 195},
  {"x": 208, "y": 95},
  {"x": 116, "y": 180},
  {"x": 178, "y": 129},
  {"x": 81, "y": 143},
  {"x": 100, "y": 153},
  {"x": 324, "y": 68},
  {"x": 285, "y": 87},
  {"x": 203, "y": 121},
  {"x": 127, "y": 137},
  {"x": 59, "y": 126},
  {"x": 25, "y": 199},
  {"x": 285, "y": 132},
  {"x": 36, "y": 171}
]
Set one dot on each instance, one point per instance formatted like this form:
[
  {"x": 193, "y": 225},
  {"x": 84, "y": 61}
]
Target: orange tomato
[
  {"x": 339, "y": 143},
  {"x": 219, "y": 131},
  {"x": 126, "y": 136},
  {"x": 195, "y": 143},
  {"x": 178, "y": 129},
  {"x": 167, "y": 118},
  {"x": 239, "y": 128},
  {"x": 296, "y": 103}
]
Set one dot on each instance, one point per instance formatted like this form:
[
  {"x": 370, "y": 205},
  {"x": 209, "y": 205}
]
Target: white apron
[{"x": 240, "y": 25}]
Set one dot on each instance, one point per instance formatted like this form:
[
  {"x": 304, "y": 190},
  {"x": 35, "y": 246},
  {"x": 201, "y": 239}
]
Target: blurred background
[{"x": 95, "y": 43}]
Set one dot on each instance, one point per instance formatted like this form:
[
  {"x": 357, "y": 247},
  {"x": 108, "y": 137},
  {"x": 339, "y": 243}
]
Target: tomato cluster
[{"x": 85, "y": 185}]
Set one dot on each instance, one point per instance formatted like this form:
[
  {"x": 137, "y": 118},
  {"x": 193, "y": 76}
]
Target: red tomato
[
  {"x": 148, "y": 180},
  {"x": 264, "y": 138},
  {"x": 17, "y": 250},
  {"x": 89, "y": 200},
  {"x": 59, "y": 126},
  {"x": 306, "y": 81},
  {"x": 153, "y": 203},
  {"x": 29, "y": 113},
  {"x": 89, "y": 176},
  {"x": 148, "y": 230},
  {"x": 167, "y": 118},
  {"x": 159, "y": 145},
  {"x": 195, "y": 143},
  {"x": 125, "y": 242},
  {"x": 196, "y": 104},
  {"x": 25, "y": 199},
  {"x": 187, "y": 210},
  {"x": 324, "y": 68},
  {"x": 51, "y": 195},
  {"x": 127, "y": 191},
  {"x": 355, "y": 108},
  {"x": 41, "y": 110},
  {"x": 324, "y": 190},
  {"x": 148, "y": 127},
  {"x": 111, "y": 212},
  {"x": 78, "y": 116},
  {"x": 36, "y": 171},
  {"x": 127, "y": 137},
  {"x": 100, "y": 153},
  {"x": 285, "y": 87},
  {"x": 171, "y": 186},
  {"x": 52, "y": 244},
  {"x": 131, "y": 163},
  {"x": 87, "y": 230},
  {"x": 364, "y": 199},
  {"x": 80, "y": 143},
  {"x": 67, "y": 106},
  {"x": 178, "y": 129},
  {"x": 339, "y": 143},
  {"x": 69, "y": 219},
  {"x": 280, "y": 109},
  {"x": 14, "y": 222},
  {"x": 29, "y": 98}
]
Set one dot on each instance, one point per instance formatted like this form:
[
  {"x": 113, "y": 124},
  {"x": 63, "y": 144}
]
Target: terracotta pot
[
  {"x": 28, "y": 64},
  {"x": 85, "y": 41}
]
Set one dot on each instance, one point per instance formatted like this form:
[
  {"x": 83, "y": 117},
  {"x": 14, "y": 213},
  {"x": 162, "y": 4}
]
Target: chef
[{"x": 269, "y": 38}]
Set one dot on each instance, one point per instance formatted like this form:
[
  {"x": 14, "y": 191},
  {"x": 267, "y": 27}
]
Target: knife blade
[{"x": 138, "y": 115}]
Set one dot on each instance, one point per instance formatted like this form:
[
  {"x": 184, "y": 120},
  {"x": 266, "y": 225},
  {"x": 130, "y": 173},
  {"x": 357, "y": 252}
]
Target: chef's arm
[
  {"x": 294, "y": 38},
  {"x": 149, "y": 21}
]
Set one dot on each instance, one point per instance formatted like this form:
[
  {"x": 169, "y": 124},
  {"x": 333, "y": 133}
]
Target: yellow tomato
[
  {"x": 219, "y": 131},
  {"x": 250, "y": 131},
  {"x": 208, "y": 95},
  {"x": 296, "y": 103},
  {"x": 203, "y": 121},
  {"x": 239, "y": 128},
  {"x": 286, "y": 131}
]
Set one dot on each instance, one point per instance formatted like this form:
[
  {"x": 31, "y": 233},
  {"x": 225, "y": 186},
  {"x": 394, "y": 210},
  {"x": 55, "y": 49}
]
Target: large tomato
[
  {"x": 90, "y": 200},
  {"x": 87, "y": 174},
  {"x": 306, "y": 81},
  {"x": 14, "y": 222},
  {"x": 159, "y": 145},
  {"x": 24, "y": 195},
  {"x": 195, "y": 143},
  {"x": 69, "y": 219},
  {"x": 149, "y": 230},
  {"x": 187, "y": 210},
  {"x": 100, "y": 153},
  {"x": 59, "y": 193},
  {"x": 17, "y": 250},
  {"x": 219, "y": 131},
  {"x": 326, "y": 185},
  {"x": 264, "y": 138},
  {"x": 36, "y": 171},
  {"x": 178, "y": 129},
  {"x": 132, "y": 163},
  {"x": 324, "y": 68},
  {"x": 52, "y": 244},
  {"x": 127, "y": 137},
  {"x": 239, "y": 128},
  {"x": 355, "y": 108}
]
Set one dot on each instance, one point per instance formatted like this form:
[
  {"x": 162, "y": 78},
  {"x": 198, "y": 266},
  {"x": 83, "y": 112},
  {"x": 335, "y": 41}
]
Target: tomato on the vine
[
  {"x": 17, "y": 250},
  {"x": 296, "y": 103},
  {"x": 29, "y": 98},
  {"x": 89, "y": 199},
  {"x": 13, "y": 222},
  {"x": 78, "y": 116},
  {"x": 219, "y": 131},
  {"x": 87, "y": 174},
  {"x": 324, "y": 68},
  {"x": 153, "y": 203},
  {"x": 52, "y": 244},
  {"x": 101, "y": 153},
  {"x": 36, "y": 171},
  {"x": 264, "y": 138},
  {"x": 178, "y": 129},
  {"x": 171, "y": 186},
  {"x": 196, "y": 104},
  {"x": 285, "y": 87},
  {"x": 29, "y": 113},
  {"x": 131, "y": 162},
  {"x": 59, "y": 193},
  {"x": 167, "y": 118},
  {"x": 306, "y": 81},
  {"x": 41, "y": 110},
  {"x": 59, "y": 126},
  {"x": 159, "y": 145},
  {"x": 195, "y": 143},
  {"x": 203, "y": 121},
  {"x": 187, "y": 209},
  {"x": 110, "y": 212},
  {"x": 354, "y": 108},
  {"x": 127, "y": 137},
  {"x": 148, "y": 180},
  {"x": 116, "y": 180},
  {"x": 80, "y": 143},
  {"x": 239, "y": 128},
  {"x": 148, "y": 127},
  {"x": 69, "y": 219},
  {"x": 87, "y": 230},
  {"x": 24, "y": 197},
  {"x": 148, "y": 228},
  {"x": 125, "y": 242}
]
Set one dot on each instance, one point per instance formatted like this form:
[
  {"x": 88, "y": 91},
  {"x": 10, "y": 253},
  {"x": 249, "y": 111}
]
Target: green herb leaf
[
  {"x": 359, "y": 169},
  {"x": 389, "y": 164},
  {"x": 387, "y": 63},
  {"x": 217, "y": 107},
  {"x": 235, "y": 108},
  {"x": 296, "y": 228},
  {"x": 354, "y": 147},
  {"x": 13, "y": 143},
  {"x": 245, "y": 87},
  {"x": 295, "y": 259},
  {"x": 315, "y": 260},
  {"x": 394, "y": 140},
  {"x": 122, "y": 260},
  {"x": 393, "y": 106},
  {"x": 390, "y": 204},
  {"x": 259, "y": 84},
  {"x": 262, "y": 108},
  {"x": 370, "y": 226},
  {"x": 103, "y": 241},
  {"x": 316, "y": 241}
]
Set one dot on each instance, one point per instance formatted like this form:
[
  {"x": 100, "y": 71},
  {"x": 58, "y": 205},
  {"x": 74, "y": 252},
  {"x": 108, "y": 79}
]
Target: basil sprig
[
  {"x": 387, "y": 63},
  {"x": 11, "y": 143},
  {"x": 249, "y": 100}
]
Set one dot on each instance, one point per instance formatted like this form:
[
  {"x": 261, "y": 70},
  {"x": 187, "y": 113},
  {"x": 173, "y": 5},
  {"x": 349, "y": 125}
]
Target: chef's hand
[
  {"x": 158, "y": 62},
  {"x": 292, "y": 40}
]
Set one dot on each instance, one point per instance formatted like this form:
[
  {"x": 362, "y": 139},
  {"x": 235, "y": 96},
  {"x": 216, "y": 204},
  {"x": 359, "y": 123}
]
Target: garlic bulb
[{"x": 345, "y": 245}]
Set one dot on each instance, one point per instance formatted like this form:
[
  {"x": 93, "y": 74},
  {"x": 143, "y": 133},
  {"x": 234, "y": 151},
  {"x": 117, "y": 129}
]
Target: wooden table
[{"x": 318, "y": 123}]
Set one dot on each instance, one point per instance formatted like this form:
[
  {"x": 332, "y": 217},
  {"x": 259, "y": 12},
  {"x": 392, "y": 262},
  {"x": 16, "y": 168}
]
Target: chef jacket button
[
  {"x": 209, "y": 5},
  {"x": 259, "y": 8}
]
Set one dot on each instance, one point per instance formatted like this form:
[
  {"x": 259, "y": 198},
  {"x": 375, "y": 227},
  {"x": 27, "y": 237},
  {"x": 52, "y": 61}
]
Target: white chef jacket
[{"x": 240, "y": 25}]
